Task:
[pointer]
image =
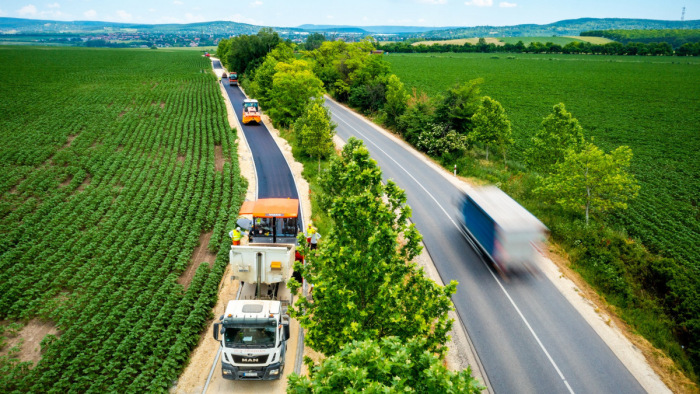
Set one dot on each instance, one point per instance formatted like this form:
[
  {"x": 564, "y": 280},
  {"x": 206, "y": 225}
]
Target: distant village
[{"x": 129, "y": 38}]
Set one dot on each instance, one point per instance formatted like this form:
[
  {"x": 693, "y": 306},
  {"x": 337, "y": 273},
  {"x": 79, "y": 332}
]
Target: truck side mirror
[
  {"x": 216, "y": 331},
  {"x": 285, "y": 326}
]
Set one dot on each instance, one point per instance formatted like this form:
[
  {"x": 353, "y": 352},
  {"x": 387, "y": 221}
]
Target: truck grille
[{"x": 257, "y": 359}]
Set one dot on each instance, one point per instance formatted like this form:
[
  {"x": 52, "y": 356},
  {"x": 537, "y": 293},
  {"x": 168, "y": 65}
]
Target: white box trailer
[{"x": 262, "y": 263}]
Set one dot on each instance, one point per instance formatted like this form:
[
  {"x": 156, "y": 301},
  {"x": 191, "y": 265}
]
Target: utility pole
[{"x": 683, "y": 14}]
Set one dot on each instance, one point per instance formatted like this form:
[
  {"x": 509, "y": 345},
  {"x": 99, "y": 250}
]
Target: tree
[
  {"x": 293, "y": 85},
  {"x": 314, "y": 41},
  {"x": 436, "y": 140},
  {"x": 593, "y": 181},
  {"x": 262, "y": 77},
  {"x": 416, "y": 118},
  {"x": 459, "y": 105},
  {"x": 491, "y": 126},
  {"x": 560, "y": 133},
  {"x": 365, "y": 285},
  {"x": 386, "y": 365},
  {"x": 314, "y": 131},
  {"x": 396, "y": 99}
]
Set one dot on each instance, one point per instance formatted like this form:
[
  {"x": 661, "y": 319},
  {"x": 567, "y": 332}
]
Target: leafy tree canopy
[
  {"x": 592, "y": 181},
  {"x": 314, "y": 130},
  {"x": 458, "y": 105},
  {"x": 386, "y": 365},
  {"x": 365, "y": 285},
  {"x": 293, "y": 85},
  {"x": 491, "y": 126},
  {"x": 560, "y": 133}
]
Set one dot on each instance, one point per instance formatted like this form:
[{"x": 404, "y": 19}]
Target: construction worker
[
  {"x": 236, "y": 236},
  {"x": 312, "y": 236},
  {"x": 309, "y": 231}
]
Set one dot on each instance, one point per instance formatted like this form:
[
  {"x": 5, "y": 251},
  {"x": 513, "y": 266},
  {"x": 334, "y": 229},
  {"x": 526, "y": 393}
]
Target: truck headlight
[
  {"x": 227, "y": 372},
  {"x": 274, "y": 372}
]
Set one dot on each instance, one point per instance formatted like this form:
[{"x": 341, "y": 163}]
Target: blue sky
[{"x": 348, "y": 12}]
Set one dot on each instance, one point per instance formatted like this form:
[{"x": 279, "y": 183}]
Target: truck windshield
[
  {"x": 233, "y": 76},
  {"x": 250, "y": 336}
]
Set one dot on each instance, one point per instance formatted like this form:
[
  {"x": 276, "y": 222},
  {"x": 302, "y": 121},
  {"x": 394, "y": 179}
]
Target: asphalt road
[
  {"x": 275, "y": 179},
  {"x": 529, "y": 338}
]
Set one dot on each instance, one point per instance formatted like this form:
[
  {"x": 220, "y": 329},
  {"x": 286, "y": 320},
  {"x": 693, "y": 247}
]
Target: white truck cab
[{"x": 253, "y": 336}]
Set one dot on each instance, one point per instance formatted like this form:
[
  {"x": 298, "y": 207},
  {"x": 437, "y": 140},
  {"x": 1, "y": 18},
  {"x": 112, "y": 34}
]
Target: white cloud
[
  {"x": 125, "y": 16},
  {"x": 480, "y": 3},
  {"x": 54, "y": 5},
  {"x": 256, "y": 3},
  {"x": 90, "y": 13},
  {"x": 329, "y": 16},
  {"x": 151, "y": 10},
  {"x": 178, "y": 2},
  {"x": 365, "y": 19},
  {"x": 432, "y": 1},
  {"x": 27, "y": 10},
  {"x": 505, "y": 4}
]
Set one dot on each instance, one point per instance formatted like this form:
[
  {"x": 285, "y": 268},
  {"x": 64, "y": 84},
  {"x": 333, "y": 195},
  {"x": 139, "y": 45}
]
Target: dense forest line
[
  {"x": 675, "y": 37},
  {"x": 575, "y": 47}
]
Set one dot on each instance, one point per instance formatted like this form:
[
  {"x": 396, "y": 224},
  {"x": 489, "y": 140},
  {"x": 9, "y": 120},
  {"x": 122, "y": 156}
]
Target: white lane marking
[{"x": 527, "y": 324}]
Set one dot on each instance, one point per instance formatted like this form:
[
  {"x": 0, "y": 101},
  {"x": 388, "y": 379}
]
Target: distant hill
[
  {"x": 223, "y": 28},
  {"x": 571, "y": 27},
  {"x": 371, "y": 29}
]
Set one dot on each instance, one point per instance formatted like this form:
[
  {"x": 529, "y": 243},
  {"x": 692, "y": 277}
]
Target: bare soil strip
[
  {"x": 31, "y": 336},
  {"x": 219, "y": 158},
  {"x": 85, "y": 183},
  {"x": 66, "y": 182},
  {"x": 200, "y": 255}
]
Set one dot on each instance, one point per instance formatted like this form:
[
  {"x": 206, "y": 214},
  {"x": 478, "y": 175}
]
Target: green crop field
[
  {"x": 113, "y": 163},
  {"x": 649, "y": 103}
]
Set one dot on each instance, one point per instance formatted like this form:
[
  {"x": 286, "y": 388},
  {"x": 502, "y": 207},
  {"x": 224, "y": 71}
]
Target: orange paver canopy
[{"x": 271, "y": 207}]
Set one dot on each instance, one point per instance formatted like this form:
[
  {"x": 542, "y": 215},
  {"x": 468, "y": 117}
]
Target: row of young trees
[
  {"x": 369, "y": 298},
  {"x": 675, "y": 37},
  {"x": 574, "y": 47}
]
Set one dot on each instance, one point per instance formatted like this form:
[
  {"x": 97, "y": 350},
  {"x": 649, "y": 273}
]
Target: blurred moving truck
[{"x": 503, "y": 231}]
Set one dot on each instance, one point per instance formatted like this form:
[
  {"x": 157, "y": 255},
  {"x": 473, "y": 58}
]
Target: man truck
[
  {"x": 232, "y": 79},
  {"x": 254, "y": 329},
  {"x": 501, "y": 229}
]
